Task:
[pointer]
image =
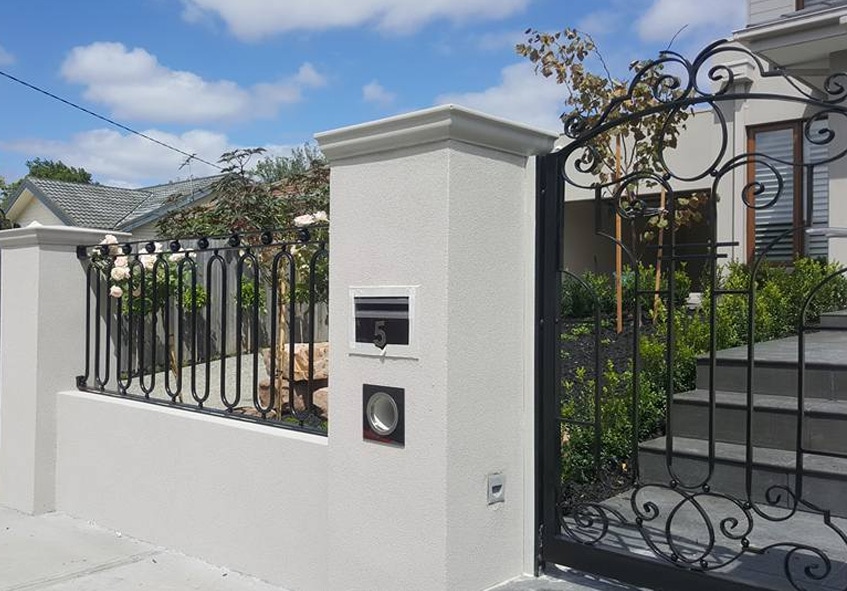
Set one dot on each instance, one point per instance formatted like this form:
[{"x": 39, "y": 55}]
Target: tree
[
  {"x": 629, "y": 157},
  {"x": 274, "y": 169},
  {"x": 58, "y": 171},
  {"x": 247, "y": 200}
]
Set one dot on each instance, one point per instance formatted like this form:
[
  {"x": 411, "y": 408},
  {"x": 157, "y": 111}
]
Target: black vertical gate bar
[{"x": 547, "y": 259}]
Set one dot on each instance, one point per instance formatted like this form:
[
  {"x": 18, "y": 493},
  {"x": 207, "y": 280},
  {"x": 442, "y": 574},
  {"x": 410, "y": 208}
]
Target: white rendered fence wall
[{"x": 443, "y": 200}]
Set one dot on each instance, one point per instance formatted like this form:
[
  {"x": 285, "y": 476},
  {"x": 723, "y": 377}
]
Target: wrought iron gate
[{"x": 666, "y": 460}]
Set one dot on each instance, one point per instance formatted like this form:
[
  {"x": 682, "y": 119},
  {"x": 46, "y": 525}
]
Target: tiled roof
[
  {"x": 89, "y": 206},
  {"x": 161, "y": 199},
  {"x": 110, "y": 208}
]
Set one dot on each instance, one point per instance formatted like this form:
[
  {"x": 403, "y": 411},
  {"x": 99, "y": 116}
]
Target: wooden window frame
[{"x": 796, "y": 126}]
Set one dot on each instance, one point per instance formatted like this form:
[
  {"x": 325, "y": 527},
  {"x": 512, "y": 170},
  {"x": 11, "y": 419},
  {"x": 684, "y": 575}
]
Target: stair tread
[
  {"x": 823, "y": 349},
  {"x": 723, "y": 398},
  {"x": 762, "y": 457}
]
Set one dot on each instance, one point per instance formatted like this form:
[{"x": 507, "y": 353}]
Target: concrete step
[
  {"x": 775, "y": 370},
  {"x": 774, "y": 420},
  {"x": 834, "y": 319},
  {"x": 824, "y": 478}
]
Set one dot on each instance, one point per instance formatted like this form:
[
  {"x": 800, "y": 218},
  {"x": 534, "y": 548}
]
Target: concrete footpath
[{"x": 58, "y": 553}]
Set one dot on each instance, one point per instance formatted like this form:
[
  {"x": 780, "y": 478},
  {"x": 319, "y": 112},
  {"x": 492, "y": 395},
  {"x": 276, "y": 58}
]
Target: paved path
[
  {"x": 57, "y": 553},
  {"x": 562, "y": 579}
]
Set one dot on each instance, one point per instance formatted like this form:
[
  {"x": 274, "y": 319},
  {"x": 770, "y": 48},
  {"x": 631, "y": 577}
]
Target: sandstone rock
[{"x": 301, "y": 361}]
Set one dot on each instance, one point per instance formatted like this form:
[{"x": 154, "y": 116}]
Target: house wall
[
  {"x": 145, "y": 232},
  {"x": 742, "y": 115},
  {"x": 36, "y": 211},
  {"x": 838, "y": 173},
  {"x": 759, "y": 11}
]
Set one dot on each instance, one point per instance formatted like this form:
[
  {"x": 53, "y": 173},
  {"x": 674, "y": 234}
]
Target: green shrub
[
  {"x": 579, "y": 301},
  {"x": 780, "y": 294},
  {"x": 691, "y": 336},
  {"x": 647, "y": 281},
  {"x": 578, "y": 463}
]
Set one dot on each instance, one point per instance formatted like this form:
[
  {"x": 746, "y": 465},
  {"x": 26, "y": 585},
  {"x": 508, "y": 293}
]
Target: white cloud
[
  {"x": 496, "y": 41},
  {"x": 521, "y": 96},
  {"x": 6, "y": 58},
  {"x": 254, "y": 19},
  {"x": 134, "y": 85},
  {"x": 665, "y": 17},
  {"x": 117, "y": 159},
  {"x": 602, "y": 22},
  {"x": 376, "y": 93}
]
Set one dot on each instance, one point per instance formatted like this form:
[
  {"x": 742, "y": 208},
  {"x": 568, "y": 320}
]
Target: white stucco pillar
[
  {"x": 42, "y": 338},
  {"x": 444, "y": 200}
]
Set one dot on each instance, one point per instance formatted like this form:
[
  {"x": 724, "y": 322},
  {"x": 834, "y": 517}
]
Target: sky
[{"x": 208, "y": 76}]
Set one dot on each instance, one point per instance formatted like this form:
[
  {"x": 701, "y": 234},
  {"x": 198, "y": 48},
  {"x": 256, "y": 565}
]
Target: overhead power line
[{"x": 107, "y": 120}]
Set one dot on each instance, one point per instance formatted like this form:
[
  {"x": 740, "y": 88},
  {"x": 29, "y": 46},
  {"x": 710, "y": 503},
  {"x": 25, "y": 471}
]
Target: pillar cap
[
  {"x": 38, "y": 235},
  {"x": 446, "y": 122}
]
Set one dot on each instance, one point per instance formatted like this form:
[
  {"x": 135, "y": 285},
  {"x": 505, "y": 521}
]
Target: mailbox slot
[{"x": 383, "y": 321}]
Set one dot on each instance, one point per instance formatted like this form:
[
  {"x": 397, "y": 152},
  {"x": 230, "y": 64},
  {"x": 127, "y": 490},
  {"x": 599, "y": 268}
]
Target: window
[{"x": 804, "y": 200}]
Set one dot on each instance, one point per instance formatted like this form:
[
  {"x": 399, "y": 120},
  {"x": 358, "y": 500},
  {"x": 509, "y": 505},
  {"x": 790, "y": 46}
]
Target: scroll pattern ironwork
[{"x": 654, "y": 511}]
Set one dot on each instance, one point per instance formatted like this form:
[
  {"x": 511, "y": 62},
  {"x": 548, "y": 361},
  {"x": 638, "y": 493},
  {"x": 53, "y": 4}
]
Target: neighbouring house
[
  {"x": 60, "y": 203},
  {"x": 808, "y": 40}
]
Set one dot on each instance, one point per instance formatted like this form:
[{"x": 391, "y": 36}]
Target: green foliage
[
  {"x": 647, "y": 283},
  {"x": 271, "y": 197},
  {"x": 616, "y": 433},
  {"x": 691, "y": 337},
  {"x": 251, "y": 297},
  {"x": 578, "y": 301},
  {"x": 57, "y": 171},
  {"x": 579, "y": 298},
  {"x": 565, "y": 56},
  {"x": 275, "y": 169},
  {"x": 244, "y": 201},
  {"x": 781, "y": 293},
  {"x": 45, "y": 169}
]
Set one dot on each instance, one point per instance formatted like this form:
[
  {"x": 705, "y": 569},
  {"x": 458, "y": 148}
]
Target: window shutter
[
  {"x": 817, "y": 246},
  {"x": 777, "y": 218}
]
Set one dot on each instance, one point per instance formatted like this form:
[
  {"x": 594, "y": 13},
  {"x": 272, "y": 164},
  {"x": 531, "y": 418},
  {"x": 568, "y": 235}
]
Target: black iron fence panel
[
  {"x": 691, "y": 424},
  {"x": 235, "y": 326}
]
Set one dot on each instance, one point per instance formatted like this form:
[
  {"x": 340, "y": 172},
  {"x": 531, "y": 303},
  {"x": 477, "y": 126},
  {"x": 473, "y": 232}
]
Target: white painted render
[
  {"x": 442, "y": 199},
  {"x": 41, "y": 352},
  {"x": 249, "y": 497},
  {"x": 33, "y": 210},
  {"x": 759, "y": 11}
]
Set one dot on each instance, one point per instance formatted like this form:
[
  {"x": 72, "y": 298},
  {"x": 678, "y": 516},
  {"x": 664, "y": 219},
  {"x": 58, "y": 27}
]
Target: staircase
[{"x": 774, "y": 421}]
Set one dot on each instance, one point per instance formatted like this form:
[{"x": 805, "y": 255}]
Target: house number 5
[{"x": 380, "y": 338}]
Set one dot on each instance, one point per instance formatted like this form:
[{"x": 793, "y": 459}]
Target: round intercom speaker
[{"x": 382, "y": 414}]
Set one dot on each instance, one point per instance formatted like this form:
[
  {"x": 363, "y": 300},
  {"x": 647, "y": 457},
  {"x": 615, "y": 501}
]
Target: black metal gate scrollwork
[{"x": 712, "y": 497}]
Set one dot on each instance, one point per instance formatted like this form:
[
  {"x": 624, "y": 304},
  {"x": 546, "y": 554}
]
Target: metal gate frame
[{"x": 552, "y": 178}]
